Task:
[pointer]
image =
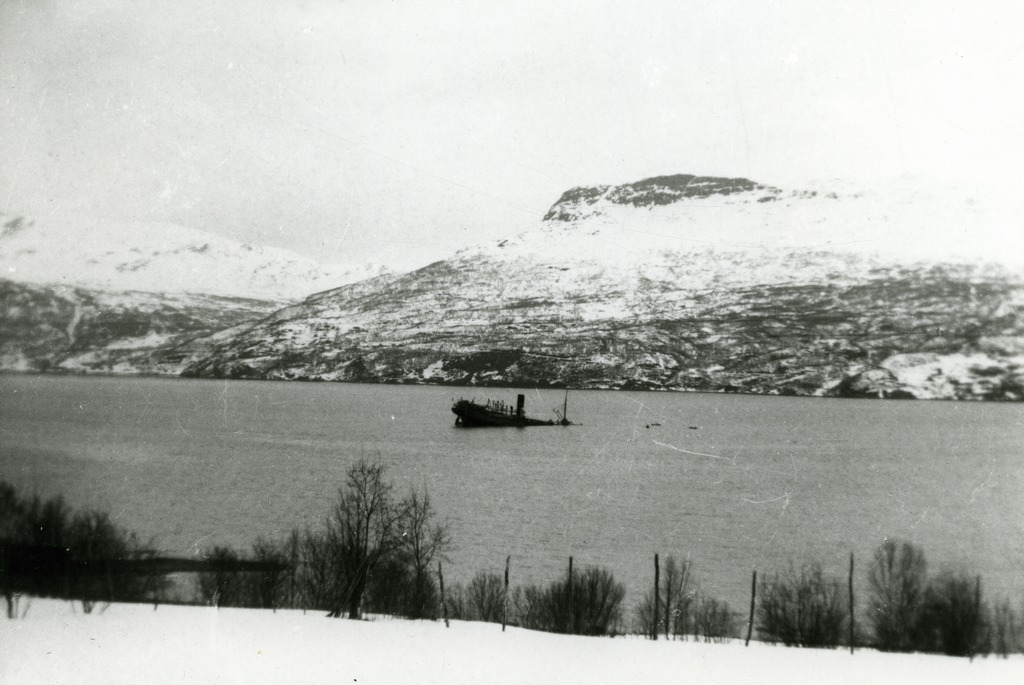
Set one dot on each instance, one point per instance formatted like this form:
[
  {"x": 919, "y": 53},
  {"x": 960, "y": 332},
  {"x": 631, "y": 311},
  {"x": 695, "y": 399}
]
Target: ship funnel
[{"x": 520, "y": 401}]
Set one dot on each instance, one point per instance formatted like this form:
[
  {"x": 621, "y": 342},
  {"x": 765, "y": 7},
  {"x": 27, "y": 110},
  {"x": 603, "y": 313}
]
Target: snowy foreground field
[{"x": 56, "y": 643}]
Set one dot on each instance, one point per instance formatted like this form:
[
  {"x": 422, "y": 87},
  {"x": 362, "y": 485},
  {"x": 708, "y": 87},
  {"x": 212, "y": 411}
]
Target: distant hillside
[
  {"x": 47, "y": 328},
  {"x": 160, "y": 258},
  {"x": 671, "y": 283},
  {"x": 648, "y": 286},
  {"x": 104, "y": 297}
]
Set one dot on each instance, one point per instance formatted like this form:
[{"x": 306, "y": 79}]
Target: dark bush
[
  {"x": 69, "y": 555},
  {"x": 45, "y": 523},
  {"x": 1006, "y": 637},
  {"x": 956, "y": 618},
  {"x": 713, "y": 620},
  {"x": 222, "y": 588},
  {"x": 897, "y": 581},
  {"x": 317, "y": 585},
  {"x": 388, "y": 587},
  {"x": 268, "y": 589},
  {"x": 676, "y": 594},
  {"x": 12, "y": 513},
  {"x": 95, "y": 543},
  {"x": 526, "y": 606},
  {"x": 805, "y": 609},
  {"x": 597, "y": 602},
  {"x": 456, "y": 602},
  {"x": 590, "y": 605},
  {"x": 485, "y": 597}
]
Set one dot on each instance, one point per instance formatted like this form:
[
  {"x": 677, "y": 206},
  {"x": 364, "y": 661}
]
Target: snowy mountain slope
[
  {"x": 904, "y": 219},
  {"x": 160, "y": 258},
  {"x": 624, "y": 288},
  {"x": 58, "y": 328}
]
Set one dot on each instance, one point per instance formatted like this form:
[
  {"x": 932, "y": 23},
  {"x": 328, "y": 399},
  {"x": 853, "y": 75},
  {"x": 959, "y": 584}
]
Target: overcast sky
[{"x": 399, "y": 131}]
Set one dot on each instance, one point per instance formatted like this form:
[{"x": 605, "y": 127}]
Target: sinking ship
[{"x": 471, "y": 414}]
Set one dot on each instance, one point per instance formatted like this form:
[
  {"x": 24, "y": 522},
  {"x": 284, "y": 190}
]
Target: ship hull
[{"x": 471, "y": 415}]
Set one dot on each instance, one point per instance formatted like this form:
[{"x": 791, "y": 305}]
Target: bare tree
[
  {"x": 423, "y": 541},
  {"x": 365, "y": 527},
  {"x": 676, "y": 590}
]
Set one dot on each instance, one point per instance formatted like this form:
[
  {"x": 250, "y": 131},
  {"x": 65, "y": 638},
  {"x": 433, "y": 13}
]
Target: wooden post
[
  {"x": 294, "y": 544},
  {"x": 977, "y": 617},
  {"x": 504, "y": 600},
  {"x": 753, "y": 597},
  {"x": 444, "y": 604},
  {"x": 851, "y": 605},
  {"x": 571, "y": 618},
  {"x": 657, "y": 599}
]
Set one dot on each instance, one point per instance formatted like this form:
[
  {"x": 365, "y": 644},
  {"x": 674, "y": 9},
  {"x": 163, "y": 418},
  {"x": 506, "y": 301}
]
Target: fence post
[
  {"x": 851, "y": 605},
  {"x": 444, "y": 604},
  {"x": 977, "y": 618},
  {"x": 504, "y": 601},
  {"x": 753, "y": 597},
  {"x": 657, "y": 599},
  {"x": 571, "y": 623}
]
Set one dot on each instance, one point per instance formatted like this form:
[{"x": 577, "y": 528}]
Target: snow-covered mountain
[
  {"x": 104, "y": 297},
  {"x": 903, "y": 219},
  {"x": 160, "y": 258},
  {"x": 678, "y": 282},
  {"x": 65, "y": 329}
]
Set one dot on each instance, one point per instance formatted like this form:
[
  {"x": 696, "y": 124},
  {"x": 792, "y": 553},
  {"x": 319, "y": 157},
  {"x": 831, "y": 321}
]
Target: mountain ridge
[
  {"x": 672, "y": 283},
  {"x": 160, "y": 257},
  {"x": 624, "y": 297}
]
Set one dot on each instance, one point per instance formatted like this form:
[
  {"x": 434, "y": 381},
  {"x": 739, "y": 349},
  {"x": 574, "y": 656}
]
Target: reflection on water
[{"x": 732, "y": 482}]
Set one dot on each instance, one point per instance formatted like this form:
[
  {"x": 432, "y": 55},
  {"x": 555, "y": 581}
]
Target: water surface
[{"x": 734, "y": 483}]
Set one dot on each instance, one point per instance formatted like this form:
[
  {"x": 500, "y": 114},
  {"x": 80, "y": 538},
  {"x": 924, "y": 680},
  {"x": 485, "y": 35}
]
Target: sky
[{"x": 398, "y": 132}]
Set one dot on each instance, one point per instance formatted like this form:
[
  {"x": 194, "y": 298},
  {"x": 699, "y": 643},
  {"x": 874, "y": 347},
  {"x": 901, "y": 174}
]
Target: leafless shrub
[
  {"x": 79, "y": 556},
  {"x": 677, "y": 594},
  {"x": 485, "y": 597},
  {"x": 317, "y": 585},
  {"x": 898, "y": 581},
  {"x": 1006, "y": 630},
  {"x": 424, "y": 540},
  {"x": 94, "y": 541},
  {"x": 591, "y": 605},
  {"x": 597, "y": 602},
  {"x": 956, "y": 618},
  {"x": 267, "y": 589},
  {"x": 456, "y": 600},
  {"x": 222, "y": 588},
  {"x": 804, "y": 609},
  {"x": 714, "y": 620}
]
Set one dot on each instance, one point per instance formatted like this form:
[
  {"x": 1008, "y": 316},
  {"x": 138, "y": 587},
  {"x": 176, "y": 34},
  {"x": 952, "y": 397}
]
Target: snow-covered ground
[{"x": 56, "y": 643}]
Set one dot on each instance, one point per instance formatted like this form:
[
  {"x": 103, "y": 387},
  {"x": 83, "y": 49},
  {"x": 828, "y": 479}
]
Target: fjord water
[{"x": 734, "y": 483}]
